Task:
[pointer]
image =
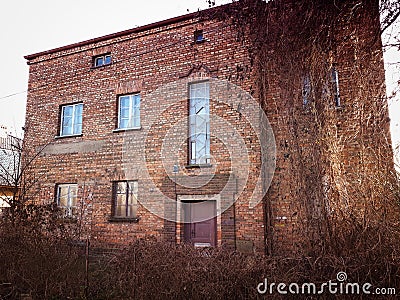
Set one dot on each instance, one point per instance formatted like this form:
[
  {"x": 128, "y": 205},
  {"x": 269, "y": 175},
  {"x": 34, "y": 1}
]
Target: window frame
[
  {"x": 306, "y": 91},
  {"x": 192, "y": 159},
  {"x": 197, "y": 34},
  {"x": 335, "y": 87},
  {"x": 132, "y": 111},
  {"x": 68, "y": 211},
  {"x": 61, "y": 120},
  {"x": 132, "y": 191},
  {"x": 104, "y": 60}
]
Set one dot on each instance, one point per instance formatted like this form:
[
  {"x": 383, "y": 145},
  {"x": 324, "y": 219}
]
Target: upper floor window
[
  {"x": 129, "y": 111},
  {"x": 102, "y": 60},
  {"x": 67, "y": 199},
  {"x": 198, "y": 36},
  {"x": 125, "y": 195},
  {"x": 335, "y": 86},
  {"x": 199, "y": 123},
  {"x": 71, "y": 119}
]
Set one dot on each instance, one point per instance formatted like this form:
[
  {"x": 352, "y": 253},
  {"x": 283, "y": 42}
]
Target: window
[
  {"x": 129, "y": 111},
  {"x": 199, "y": 124},
  {"x": 102, "y": 60},
  {"x": 125, "y": 199},
  {"x": 335, "y": 86},
  {"x": 198, "y": 36},
  {"x": 306, "y": 91},
  {"x": 71, "y": 119},
  {"x": 67, "y": 199}
]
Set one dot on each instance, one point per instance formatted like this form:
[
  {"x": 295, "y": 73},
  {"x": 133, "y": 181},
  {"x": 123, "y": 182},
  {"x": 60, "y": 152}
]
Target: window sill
[
  {"x": 128, "y": 220},
  {"x": 100, "y": 67},
  {"x": 194, "y": 166},
  {"x": 68, "y": 136},
  {"x": 127, "y": 129},
  {"x": 67, "y": 220},
  {"x": 200, "y": 42}
]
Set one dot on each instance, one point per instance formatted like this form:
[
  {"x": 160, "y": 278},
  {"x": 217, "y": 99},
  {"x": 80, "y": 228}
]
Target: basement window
[
  {"x": 102, "y": 60},
  {"x": 125, "y": 194},
  {"x": 67, "y": 199},
  {"x": 198, "y": 36}
]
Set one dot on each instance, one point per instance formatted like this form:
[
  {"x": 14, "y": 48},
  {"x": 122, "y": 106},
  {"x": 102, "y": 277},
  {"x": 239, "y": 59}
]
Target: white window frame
[
  {"x": 199, "y": 36},
  {"x": 132, "y": 112},
  {"x": 69, "y": 208},
  {"x": 103, "y": 57},
  {"x": 73, "y": 123},
  {"x": 131, "y": 191}
]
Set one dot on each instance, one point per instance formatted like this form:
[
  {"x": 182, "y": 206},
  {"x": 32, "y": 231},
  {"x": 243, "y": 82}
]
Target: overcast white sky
[{"x": 30, "y": 26}]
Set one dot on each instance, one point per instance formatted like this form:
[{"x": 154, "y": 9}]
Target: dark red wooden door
[{"x": 200, "y": 223}]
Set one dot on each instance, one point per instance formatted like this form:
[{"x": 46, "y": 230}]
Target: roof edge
[{"x": 115, "y": 35}]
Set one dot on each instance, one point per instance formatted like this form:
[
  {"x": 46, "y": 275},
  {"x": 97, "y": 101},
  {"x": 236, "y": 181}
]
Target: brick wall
[{"x": 148, "y": 62}]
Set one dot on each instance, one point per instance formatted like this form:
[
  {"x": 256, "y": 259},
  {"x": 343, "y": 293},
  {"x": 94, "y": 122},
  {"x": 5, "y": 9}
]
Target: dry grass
[{"x": 46, "y": 266}]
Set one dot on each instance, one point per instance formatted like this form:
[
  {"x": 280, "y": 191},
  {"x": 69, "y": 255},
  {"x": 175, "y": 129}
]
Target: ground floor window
[
  {"x": 125, "y": 195},
  {"x": 67, "y": 198}
]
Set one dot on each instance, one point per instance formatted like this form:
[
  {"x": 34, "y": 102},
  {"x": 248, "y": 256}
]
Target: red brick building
[{"x": 157, "y": 132}]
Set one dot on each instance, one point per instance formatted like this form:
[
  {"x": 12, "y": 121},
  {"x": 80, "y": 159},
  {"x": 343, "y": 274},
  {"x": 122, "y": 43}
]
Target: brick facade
[{"x": 160, "y": 61}]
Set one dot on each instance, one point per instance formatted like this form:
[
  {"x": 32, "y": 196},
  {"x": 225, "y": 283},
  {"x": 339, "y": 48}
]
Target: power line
[
  {"x": 11, "y": 95},
  {"x": 131, "y": 58}
]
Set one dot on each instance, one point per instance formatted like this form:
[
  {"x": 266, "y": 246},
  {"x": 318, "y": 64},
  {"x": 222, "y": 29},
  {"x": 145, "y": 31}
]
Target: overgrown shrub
[{"x": 51, "y": 266}]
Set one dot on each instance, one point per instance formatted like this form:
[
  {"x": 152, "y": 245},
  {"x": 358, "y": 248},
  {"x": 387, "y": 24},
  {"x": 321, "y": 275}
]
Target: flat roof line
[{"x": 115, "y": 35}]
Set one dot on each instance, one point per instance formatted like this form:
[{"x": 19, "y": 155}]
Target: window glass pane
[
  {"x": 136, "y": 112},
  {"x": 132, "y": 195},
  {"x": 132, "y": 211},
  {"x": 123, "y": 123},
  {"x": 134, "y": 186},
  {"x": 66, "y": 130},
  {"x": 121, "y": 199},
  {"x": 124, "y": 112},
  {"x": 67, "y": 111},
  {"x": 137, "y": 100},
  {"x": 78, "y": 110},
  {"x": 136, "y": 122},
  {"x": 107, "y": 59},
  {"x": 198, "y": 35},
  {"x": 78, "y": 119},
  {"x": 63, "y": 196},
  {"x": 72, "y": 195},
  {"x": 67, "y": 121},
  {"x": 121, "y": 187},
  {"x": 120, "y": 211},
  {"x": 99, "y": 61},
  {"x": 124, "y": 101},
  {"x": 193, "y": 150},
  {"x": 77, "y": 128}
]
